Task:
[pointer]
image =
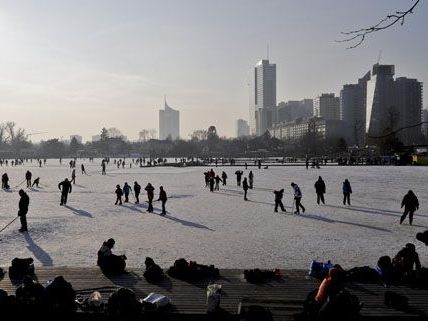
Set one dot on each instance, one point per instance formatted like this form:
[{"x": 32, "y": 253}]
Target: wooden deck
[{"x": 284, "y": 297}]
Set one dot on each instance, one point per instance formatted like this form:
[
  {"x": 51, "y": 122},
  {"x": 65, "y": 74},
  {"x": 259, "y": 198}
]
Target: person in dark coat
[
  {"x": 119, "y": 194},
  {"x": 103, "y": 168},
  {"x": 298, "y": 198},
  {"x": 65, "y": 188},
  {"x": 137, "y": 191},
  {"x": 163, "y": 198},
  {"x": 109, "y": 262},
  {"x": 5, "y": 181},
  {"x": 212, "y": 183},
  {"x": 238, "y": 174},
  {"x": 82, "y": 167},
  {"x": 24, "y": 202},
  {"x": 150, "y": 195},
  {"x": 224, "y": 178},
  {"x": 411, "y": 204},
  {"x": 207, "y": 179},
  {"x": 406, "y": 259},
  {"x": 320, "y": 190},
  {"x": 153, "y": 272},
  {"x": 245, "y": 188},
  {"x": 73, "y": 176},
  {"x": 28, "y": 176},
  {"x": 29, "y": 293},
  {"x": 36, "y": 182},
  {"x": 250, "y": 179},
  {"x": 126, "y": 190},
  {"x": 347, "y": 191},
  {"x": 278, "y": 200}
]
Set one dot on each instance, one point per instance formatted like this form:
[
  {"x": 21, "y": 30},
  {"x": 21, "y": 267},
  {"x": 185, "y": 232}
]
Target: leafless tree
[
  {"x": 113, "y": 132},
  {"x": 14, "y": 135},
  {"x": 199, "y": 134},
  {"x": 357, "y": 37}
]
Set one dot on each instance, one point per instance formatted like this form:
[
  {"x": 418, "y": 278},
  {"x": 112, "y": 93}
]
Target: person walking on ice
[
  {"x": 65, "y": 188},
  {"x": 150, "y": 195},
  {"x": 126, "y": 190},
  {"x": 298, "y": 198},
  {"x": 347, "y": 191},
  {"x": 411, "y": 204},
  {"x": 82, "y": 167},
  {"x": 28, "y": 176},
  {"x": 278, "y": 200},
  {"x": 224, "y": 178},
  {"x": 5, "y": 181},
  {"x": 245, "y": 188},
  {"x": 119, "y": 194},
  {"x": 163, "y": 198},
  {"x": 137, "y": 190},
  {"x": 24, "y": 202},
  {"x": 103, "y": 167},
  {"x": 320, "y": 190},
  {"x": 73, "y": 176},
  {"x": 238, "y": 174},
  {"x": 251, "y": 179}
]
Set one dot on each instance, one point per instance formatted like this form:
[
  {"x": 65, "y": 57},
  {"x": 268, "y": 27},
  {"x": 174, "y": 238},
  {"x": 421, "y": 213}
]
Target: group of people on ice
[
  {"x": 212, "y": 180},
  {"x": 126, "y": 190}
]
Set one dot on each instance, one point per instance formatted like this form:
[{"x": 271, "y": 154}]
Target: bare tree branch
[
  {"x": 397, "y": 130},
  {"x": 359, "y": 35}
]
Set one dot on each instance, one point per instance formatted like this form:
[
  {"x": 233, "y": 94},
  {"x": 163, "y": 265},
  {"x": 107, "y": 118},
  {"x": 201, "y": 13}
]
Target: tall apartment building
[
  {"x": 263, "y": 99},
  {"x": 327, "y": 106},
  {"x": 169, "y": 123}
]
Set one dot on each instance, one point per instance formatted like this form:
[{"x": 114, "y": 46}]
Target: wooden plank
[{"x": 284, "y": 297}]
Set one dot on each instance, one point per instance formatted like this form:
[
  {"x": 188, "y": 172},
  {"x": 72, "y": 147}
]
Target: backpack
[
  {"x": 21, "y": 267},
  {"x": 123, "y": 304},
  {"x": 363, "y": 274},
  {"x": 320, "y": 270}
]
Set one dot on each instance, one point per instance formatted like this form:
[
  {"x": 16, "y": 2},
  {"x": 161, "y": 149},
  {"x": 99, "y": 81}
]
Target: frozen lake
[{"x": 214, "y": 228}]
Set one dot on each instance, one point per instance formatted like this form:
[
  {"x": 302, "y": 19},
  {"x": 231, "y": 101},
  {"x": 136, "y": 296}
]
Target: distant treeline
[{"x": 15, "y": 143}]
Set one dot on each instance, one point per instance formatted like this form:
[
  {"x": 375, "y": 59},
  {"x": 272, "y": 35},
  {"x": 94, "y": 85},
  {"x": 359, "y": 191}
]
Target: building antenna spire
[
  {"x": 379, "y": 56},
  {"x": 164, "y": 100},
  {"x": 267, "y": 47}
]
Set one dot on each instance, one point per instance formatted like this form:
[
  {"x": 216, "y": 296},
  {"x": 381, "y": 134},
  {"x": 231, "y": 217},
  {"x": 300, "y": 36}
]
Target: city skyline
[{"x": 65, "y": 68}]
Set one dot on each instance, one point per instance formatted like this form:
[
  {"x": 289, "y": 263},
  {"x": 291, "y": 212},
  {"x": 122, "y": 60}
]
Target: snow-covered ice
[{"x": 214, "y": 228}]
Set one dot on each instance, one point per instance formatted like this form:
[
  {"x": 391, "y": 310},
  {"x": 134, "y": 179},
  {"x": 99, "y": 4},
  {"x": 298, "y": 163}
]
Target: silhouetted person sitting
[
  {"x": 411, "y": 204},
  {"x": 405, "y": 260},
  {"x": 423, "y": 237},
  {"x": 30, "y": 294},
  {"x": 109, "y": 262},
  {"x": 330, "y": 286},
  {"x": 153, "y": 272}
]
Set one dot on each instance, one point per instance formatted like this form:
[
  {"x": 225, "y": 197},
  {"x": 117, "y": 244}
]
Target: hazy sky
[{"x": 73, "y": 67}]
